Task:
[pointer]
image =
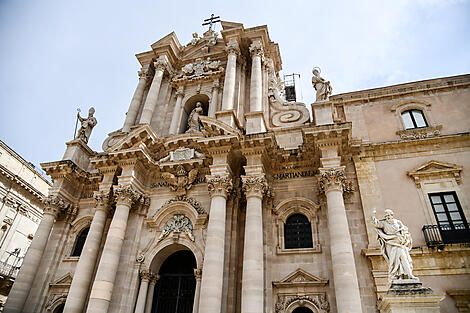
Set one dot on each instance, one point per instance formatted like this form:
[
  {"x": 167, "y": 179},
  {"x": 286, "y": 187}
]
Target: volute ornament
[
  {"x": 178, "y": 224},
  {"x": 232, "y": 47},
  {"x": 256, "y": 48},
  {"x": 219, "y": 185},
  {"x": 160, "y": 65},
  {"x": 102, "y": 198},
  {"x": 254, "y": 185}
]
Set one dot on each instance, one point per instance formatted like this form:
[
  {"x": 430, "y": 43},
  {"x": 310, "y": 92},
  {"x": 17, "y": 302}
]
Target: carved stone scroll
[{"x": 178, "y": 224}]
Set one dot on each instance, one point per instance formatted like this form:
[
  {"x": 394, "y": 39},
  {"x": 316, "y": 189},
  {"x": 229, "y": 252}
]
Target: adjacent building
[
  {"x": 22, "y": 189},
  {"x": 218, "y": 195}
]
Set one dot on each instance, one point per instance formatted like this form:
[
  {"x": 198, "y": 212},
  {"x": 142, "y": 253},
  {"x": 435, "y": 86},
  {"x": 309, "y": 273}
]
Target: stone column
[
  {"x": 348, "y": 297},
  {"x": 197, "y": 293},
  {"x": 152, "y": 96},
  {"x": 151, "y": 291},
  {"x": 86, "y": 264},
  {"x": 213, "y": 274},
  {"x": 102, "y": 289},
  {"x": 178, "y": 111},
  {"x": 145, "y": 277},
  {"x": 256, "y": 84},
  {"x": 230, "y": 73},
  {"x": 252, "y": 276},
  {"x": 135, "y": 102},
  {"x": 23, "y": 282},
  {"x": 215, "y": 95}
]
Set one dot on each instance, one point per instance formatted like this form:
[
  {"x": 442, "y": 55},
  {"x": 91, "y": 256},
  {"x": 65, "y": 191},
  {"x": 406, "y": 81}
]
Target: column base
[
  {"x": 409, "y": 295},
  {"x": 255, "y": 123},
  {"x": 228, "y": 117}
]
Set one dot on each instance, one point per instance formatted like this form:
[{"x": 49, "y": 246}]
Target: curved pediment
[
  {"x": 213, "y": 128},
  {"x": 122, "y": 141}
]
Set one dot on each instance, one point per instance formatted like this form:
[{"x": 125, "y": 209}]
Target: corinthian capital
[
  {"x": 53, "y": 205},
  {"x": 256, "y": 48},
  {"x": 332, "y": 179},
  {"x": 219, "y": 185},
  {"x": 142, "y": 74},
  {"x": 254, "y": 186},
  {"x": 125, "y": 195},
  {"x": 232, "y": 47},
  {"x": 146, "y": 275},
  {"x": 160, "y": 64},
  {"x": 102, "y": 199}
]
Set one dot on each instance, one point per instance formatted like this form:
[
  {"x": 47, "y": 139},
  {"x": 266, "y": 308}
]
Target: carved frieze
[
  {"x": 420, "y": 133},
  {"x": 219, "y": 185},
  {"x": 179, "y": 223}
]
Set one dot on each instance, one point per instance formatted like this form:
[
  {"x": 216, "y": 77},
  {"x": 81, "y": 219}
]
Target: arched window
[
  {"x": 302, "y": 310},
  {"x": 298, "y": 232},
  {"x": 80, "y": 242},
  {"x": 413, "y": 119}
]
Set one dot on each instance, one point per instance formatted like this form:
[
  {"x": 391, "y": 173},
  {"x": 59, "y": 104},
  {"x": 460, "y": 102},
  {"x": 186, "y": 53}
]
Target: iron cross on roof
[{"x": 210, "y": 21}]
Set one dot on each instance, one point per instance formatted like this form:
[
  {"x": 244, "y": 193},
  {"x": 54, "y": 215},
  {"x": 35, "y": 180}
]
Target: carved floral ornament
[
  {"x": 232, "y": 47},
  {"x": 254, "y": 185},
  {"x": 331, "y": 179},
  {"x": 179, "y": 223},
  {"x": 219, "y": 185},
  {"x": 318, "y": 300},
  {"x": 102, "y": 198},
  {"x": 126, "y": 195},
  {"x": 54, "y": 205},
  {"x": 256, "y": 48}
]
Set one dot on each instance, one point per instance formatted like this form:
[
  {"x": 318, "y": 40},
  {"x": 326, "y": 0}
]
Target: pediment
[
  {"x": 435, "y": 166},
  {"x": 436, "y": 169},
  {"x": 63, "y": 280},
  {"x": 141, "y": 134},
  {"x": 300, "y": 278},
  {"x": 229, "y": 25},
  {"x": 213, "y": 128}
]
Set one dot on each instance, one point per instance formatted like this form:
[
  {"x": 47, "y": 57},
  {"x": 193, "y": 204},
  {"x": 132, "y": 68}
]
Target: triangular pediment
[
  {"x": 229, "y": 25},
  {"x": 141, "y": 134},
  {"x": 435, "y": 166},
  {"x": 63, "y": 280},
  {"x": 300, "y": 277}
]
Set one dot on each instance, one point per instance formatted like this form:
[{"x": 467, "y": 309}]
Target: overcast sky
[{"x": 57, "y": 56}]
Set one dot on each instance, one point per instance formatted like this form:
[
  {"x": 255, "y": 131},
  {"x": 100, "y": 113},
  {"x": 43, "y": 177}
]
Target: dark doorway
[
  {"x": 60, "y": 308},
  {"x": 302, "y": 310},
  {"x": 174, "y": 292}
]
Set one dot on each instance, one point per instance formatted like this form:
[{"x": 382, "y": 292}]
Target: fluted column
[
  {"x": 215, "y": 96},
  {"x": 135, "y": 102},
  {"x": 145, "y": 277},
  {"x": 348, "y": 298},
  {"x": 23, "y": 282},
  {"x": 256, "y": 84},
  {"x": 197, "y": 292},
  {"x": 151, "y": 291},
  {"x": 86, "y": 264},
  {"x": 152, "y": 96},
  {"x": 178, "y": 111},
  {"x": 252, "y": 276},
  {"x": 103, "y": 285},
  {"x": 213, "y": 274},
  {"x": 230, "y": 75}
]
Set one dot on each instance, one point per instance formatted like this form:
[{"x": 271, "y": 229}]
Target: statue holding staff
[
  {"x": 87, "y": 124},
  {"x": 395, "y": 243}
]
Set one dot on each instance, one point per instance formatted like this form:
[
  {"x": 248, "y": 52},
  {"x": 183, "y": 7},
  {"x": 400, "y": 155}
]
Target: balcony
[
  {"x": 8, "y": 270},
  {"x": 438, "y": 236}
]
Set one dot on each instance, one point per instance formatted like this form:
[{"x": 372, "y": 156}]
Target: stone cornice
[
  {"x": 21, "y": 182},
  {"x": 66, "y": 169},
  {"x": 401, "y": 90}
]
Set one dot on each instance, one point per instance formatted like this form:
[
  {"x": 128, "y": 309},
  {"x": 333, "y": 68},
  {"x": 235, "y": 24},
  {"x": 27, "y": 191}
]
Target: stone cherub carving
[
  {"x": 322, "y": 87},
  {"x": 182, "y": 181},
  {"x": 194, "y": 124},
  {"x": 395, "y": 243},
  {"x": 87, "y": 125}
]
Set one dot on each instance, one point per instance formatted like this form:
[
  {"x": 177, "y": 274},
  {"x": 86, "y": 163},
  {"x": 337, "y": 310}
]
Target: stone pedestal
[
  {"x": 79, "y": 153},
  {"x": 228, "y": 117},
  {"x": 322, "y": 112},
  {"x": 255, "y": 123},
  {"x": 411, "y": 297}
]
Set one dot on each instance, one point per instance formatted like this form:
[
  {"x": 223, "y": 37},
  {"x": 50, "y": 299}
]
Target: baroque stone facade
[{"x": 257, "y": 208}]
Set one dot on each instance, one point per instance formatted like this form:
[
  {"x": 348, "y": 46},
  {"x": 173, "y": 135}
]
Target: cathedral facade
[{"x": 218, "y": 195}]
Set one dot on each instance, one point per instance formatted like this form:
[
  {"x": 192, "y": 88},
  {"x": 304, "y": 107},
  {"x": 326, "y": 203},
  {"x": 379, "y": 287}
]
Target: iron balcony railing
[
  {"x": 9, "y": 270},
  {"x": 438, "y": 236}
]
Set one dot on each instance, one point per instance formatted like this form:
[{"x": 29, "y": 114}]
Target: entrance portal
[
  {"x": 174, "y": 292},
  {"x": 302, "y": 310}
]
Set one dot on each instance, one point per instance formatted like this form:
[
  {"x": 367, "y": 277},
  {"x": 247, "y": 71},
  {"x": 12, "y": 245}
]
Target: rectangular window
[{"x": 450, "y": 218}]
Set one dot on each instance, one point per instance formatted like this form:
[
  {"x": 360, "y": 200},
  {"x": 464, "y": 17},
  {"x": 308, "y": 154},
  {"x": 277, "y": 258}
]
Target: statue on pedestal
[
  {"x": 322, "y": 86},
  {"x": 87, "y": 125},
  {"x": 194, "y": 125},
  {"x": 395, "y": 243}
]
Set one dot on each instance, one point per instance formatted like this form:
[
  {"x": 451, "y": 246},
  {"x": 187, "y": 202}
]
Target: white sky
[{"x": 56, "y": 56}]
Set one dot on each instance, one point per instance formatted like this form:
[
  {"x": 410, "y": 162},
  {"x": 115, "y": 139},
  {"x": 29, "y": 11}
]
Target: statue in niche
[
  {"x": 395, "y": 243},
  {"x": 87, "y": 125},
  {"x": 322, "y": 87},
  {"x": 194, "y": 124}
]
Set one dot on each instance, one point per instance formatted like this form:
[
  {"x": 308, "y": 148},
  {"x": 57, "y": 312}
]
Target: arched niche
[{"x": 189, "y": 105}]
